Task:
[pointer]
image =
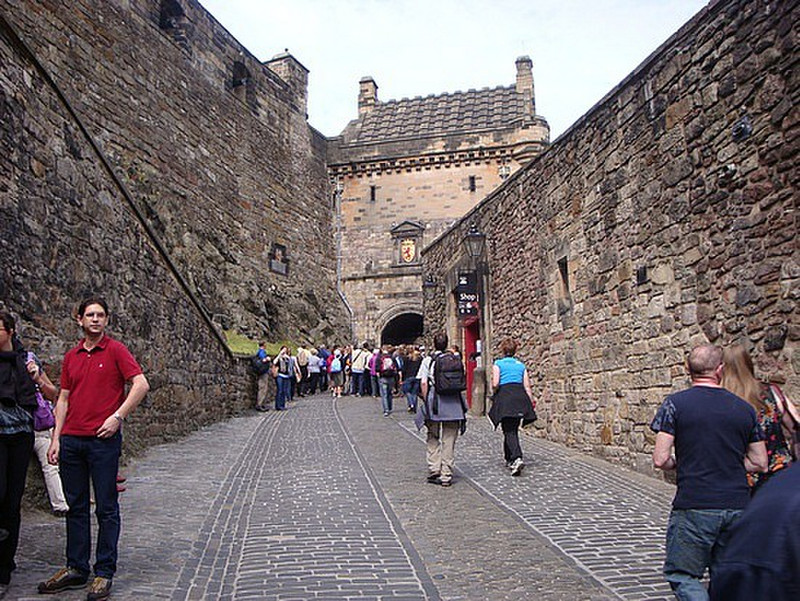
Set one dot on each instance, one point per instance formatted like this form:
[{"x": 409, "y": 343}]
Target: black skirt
[{"x": 511, "y": 400}]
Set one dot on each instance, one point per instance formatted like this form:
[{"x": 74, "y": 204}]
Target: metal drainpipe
[{"x": 337, "y": 199}]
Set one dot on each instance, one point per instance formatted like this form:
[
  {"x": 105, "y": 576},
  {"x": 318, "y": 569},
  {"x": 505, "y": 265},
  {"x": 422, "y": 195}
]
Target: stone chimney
[
  {"x": 525, "y": 83},
  {"x": 367, "y": 95}
]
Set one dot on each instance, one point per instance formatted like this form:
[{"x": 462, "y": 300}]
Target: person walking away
[
  {"x": 87, "y": 441},
  {"x": 410, "y": 382},
  {"x": 17, "y": 404},
  {"x": 774, "y": 410},
  {"x": 442, "y": 410},
  {"x": 717, "y": 440},
  {"x": 336, "y": 372},
  {"x": 513, "y": 403},
  {"x": 387, "y": 374}
]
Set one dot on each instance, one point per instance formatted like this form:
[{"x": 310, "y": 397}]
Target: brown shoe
[
  {"x": 64, "y": 579},
  {"x": 100, "y": 589}
]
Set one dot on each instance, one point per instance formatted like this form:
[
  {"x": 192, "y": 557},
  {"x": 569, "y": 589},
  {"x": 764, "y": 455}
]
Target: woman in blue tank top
[{"x": 512, "y": 403}]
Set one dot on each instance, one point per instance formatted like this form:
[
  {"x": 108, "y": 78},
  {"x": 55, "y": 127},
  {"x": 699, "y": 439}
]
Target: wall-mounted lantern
[{"x": 474, "y": 241}]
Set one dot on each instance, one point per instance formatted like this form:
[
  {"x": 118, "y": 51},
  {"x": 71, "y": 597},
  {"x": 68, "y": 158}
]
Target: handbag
[{"x": 43, "y": 418}]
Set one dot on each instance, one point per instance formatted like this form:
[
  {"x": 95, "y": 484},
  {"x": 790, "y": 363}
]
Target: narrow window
[
  {"x": 172, "y": 14},
  {"x": 563, "y": 298},
  {"x": 641, "y": 275},
  {"x": 172, "y": 19},
  {"x": 373, "y": 193},
  {"x": 564, "y": 271},
  {"x": 240, "y": 82},
  {"x": 471, "y": 183},
  {"x": 240, "y": 75}
]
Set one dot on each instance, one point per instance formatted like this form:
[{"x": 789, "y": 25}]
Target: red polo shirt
[{"x": 96, "y": 383}]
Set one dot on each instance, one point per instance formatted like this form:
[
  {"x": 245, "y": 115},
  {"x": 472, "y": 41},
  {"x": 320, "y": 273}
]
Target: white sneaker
[{"x": 516, "y": 467}]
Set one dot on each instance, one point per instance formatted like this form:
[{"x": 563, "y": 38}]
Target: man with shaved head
[{"x": 717, "y": 440}]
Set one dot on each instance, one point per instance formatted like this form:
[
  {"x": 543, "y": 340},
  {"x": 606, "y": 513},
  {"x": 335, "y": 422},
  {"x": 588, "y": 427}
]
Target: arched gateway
[{"x": 405, "y": 328}]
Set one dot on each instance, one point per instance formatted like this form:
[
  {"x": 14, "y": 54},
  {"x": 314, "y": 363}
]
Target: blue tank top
[{"x": 512, "y": 370}]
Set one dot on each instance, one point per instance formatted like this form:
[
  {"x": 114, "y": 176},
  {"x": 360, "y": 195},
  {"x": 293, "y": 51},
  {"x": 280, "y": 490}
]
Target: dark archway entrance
[{"x": 403, "y": 329}]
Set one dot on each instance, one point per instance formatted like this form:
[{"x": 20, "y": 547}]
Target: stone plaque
[{"x": 278, "y": 261}]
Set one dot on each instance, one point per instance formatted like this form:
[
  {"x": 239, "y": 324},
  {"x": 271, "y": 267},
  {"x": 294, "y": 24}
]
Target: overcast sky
[{"x": 580, "y": 48}]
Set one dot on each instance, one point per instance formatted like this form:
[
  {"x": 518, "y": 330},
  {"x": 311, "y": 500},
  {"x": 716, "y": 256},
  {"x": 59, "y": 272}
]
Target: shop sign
[{"x": 467, "y": 294}]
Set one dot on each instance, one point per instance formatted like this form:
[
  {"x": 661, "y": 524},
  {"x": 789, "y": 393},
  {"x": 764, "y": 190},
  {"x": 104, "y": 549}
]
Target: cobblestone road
[{"x": 329, "y": 501}]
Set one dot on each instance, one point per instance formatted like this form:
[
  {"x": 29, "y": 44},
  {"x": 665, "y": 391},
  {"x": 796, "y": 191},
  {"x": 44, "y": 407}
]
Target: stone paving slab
[
  {"x": 473, "y": 547},
  {"x": 329, "y": 501},
  {"x": 609, "y": 520}
]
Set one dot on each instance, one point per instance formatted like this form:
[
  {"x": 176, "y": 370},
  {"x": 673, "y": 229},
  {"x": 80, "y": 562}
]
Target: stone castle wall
[
  {"x": 217, "y": 173},
  {"x": 214, "y": 147},
  {"x": 664, "y": 218}
]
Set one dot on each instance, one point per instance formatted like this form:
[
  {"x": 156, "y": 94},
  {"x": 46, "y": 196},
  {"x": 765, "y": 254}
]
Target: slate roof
[{"x": 446, "y": 114}]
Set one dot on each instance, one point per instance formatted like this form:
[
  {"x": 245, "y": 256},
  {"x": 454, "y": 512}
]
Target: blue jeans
[
  {"x": 411, "y": 388},
  {"x": 358, "y": 383},
  {"x": 82, "y": 458},
  {"x": 386, "y": 387},
  {"x": 696, "y": 539},
  {"x": 283, "y": 389}
]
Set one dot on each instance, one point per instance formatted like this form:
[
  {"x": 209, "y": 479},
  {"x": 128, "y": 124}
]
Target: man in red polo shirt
[{"x": 86, "y": 444}]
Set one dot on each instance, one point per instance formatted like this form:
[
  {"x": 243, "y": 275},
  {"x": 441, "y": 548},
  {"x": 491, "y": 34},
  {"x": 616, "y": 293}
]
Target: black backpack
[
  {"x": 448, "y": 374},
  {"x": 259, "y": 366}
]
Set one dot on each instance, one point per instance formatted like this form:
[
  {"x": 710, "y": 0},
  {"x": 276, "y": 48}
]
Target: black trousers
[
  {"x": 15, "y": 452},
  {"x": 304, "y": 383},
  {"x": 312, "y": 383},
  {"x": 511, "y": 448}
]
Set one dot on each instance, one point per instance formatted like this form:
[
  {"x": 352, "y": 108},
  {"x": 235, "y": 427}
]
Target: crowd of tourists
[{"x": 365, "y": 370}]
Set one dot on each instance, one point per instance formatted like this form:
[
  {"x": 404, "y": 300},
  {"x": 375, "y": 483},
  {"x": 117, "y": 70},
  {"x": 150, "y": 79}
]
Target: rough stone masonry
[{"x": 665, "y": 217}]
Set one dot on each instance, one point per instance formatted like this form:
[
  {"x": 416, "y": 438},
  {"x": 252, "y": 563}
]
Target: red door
[{"x": 472, "y": 332}]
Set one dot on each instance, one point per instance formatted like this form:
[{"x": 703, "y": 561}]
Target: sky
[{"x": 580, "y": 49}]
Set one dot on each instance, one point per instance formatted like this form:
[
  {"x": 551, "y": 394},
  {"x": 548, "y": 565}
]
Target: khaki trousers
[
  {"x": 441, "y": 448},
  {"x": 52, "y": 479},
  {"x": 263, "y": 388}
]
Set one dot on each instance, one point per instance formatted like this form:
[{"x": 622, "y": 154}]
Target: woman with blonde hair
[{"x": 772, "y": 407}]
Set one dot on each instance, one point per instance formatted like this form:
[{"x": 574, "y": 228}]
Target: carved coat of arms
[{"x": 408, "y": 250}]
